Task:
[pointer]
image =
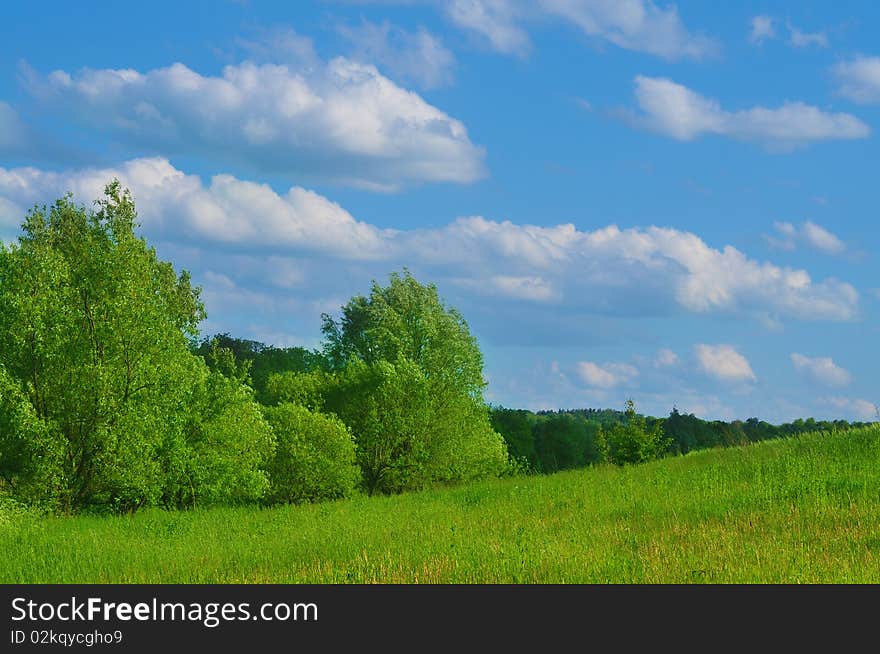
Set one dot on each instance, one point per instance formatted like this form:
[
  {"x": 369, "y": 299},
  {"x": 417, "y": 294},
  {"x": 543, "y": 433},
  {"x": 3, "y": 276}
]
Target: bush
[
  {"x": 314, "y": 456},
  {"x": 221, "y": 454},
  {"x": 633, "y": 441}
]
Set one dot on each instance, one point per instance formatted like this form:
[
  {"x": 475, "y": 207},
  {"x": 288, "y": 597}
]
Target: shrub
[{"x": 314, "y": 456}]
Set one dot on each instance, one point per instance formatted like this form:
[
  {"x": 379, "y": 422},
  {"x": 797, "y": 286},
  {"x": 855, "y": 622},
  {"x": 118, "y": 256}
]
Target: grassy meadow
[{"x": 804, "y": 509}]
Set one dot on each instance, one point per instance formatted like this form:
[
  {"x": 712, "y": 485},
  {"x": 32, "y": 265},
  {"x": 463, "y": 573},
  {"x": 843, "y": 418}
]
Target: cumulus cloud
[
  {"x": 859, "y": 79},
  {"x": 821, "y": 369},
  {"x": 762, "y": 29},
  {"x": 665, "y": 358},
  {"x": 528, "y": 289},
  {"x": 683, "y": 114},
  {"x": 418, "y": 56},
  {"x": 724, "y": 363},
  {"x": 638, "y": 271},
  {"x": 809, "y": 233},
  {"x": 861, "y": 409},
  {"x": 341, "y": 120},
  {"x": 608, "y": 375},
  {"x": 227, "y": 211}
]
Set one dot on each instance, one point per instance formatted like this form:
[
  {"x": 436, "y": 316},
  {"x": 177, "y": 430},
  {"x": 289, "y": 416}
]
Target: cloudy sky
[{"x": 628, "y": 198}]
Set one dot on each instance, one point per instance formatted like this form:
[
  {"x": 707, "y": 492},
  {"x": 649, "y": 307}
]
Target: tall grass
[{"x": 805, "y": 509}]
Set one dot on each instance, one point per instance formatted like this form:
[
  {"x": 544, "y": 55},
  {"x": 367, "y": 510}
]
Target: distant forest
[{"x": 542, "y": 441}]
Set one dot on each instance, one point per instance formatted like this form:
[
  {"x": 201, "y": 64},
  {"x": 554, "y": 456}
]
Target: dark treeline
[
  {"x": 542, "y": 441},
  {"x": 548, "y": 441}
]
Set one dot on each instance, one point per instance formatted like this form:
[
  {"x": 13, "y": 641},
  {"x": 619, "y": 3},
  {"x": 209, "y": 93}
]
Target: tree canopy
[
  {"x": 95, "y": 368},
  {"x": 409, "y": 384}
]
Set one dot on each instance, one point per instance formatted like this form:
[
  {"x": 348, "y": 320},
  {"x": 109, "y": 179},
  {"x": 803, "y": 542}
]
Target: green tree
[
  {"x": 564, "y": 441},
  {"x": 409, "y": 385},
  {"x": 515, "y": 427},
  {"x": 219, "y": 456},
  {"x": 94, "y": 341},
  {"x": 265, "y": 360},
  {"x": 314, "y": 458},
  {"x": 634, "y": 441},
  {"x": 306, "y": 389}
]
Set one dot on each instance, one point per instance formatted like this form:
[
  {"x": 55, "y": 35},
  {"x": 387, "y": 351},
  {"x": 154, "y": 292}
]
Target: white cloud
[
  {"x": 859, "y": 79},
  {"x": 681, "y": 113},
  {"x": 638, "y": 25},
  {"x": 607, "y": 375},
  {"x": 808, "y": 232},
  {"x": 639, "y": 271},
  {"x": 418, "y": 57},
  {"x": 800, "y": 39},
  {"x": 762, "y": 29},
  {"x": 861, "y": 409},
  {"x": 821, "y": 369},
  {"x": 340, "y": 120},
  {"x": 821, "y": 239},
  {"x": 526, "y": 288},
  {"x": 496, "y": 20},
  {"x": 281, "y": 45},
  {"x": 724, "y": 363},
  {"x": 227, "y": 211},
  {"x": 665, "y": 358}
]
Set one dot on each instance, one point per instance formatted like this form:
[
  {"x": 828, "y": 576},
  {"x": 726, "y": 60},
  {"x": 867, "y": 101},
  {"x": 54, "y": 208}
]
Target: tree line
[
  {"x": 549, "y": 441},
  {"x": 110, "y": 400}
]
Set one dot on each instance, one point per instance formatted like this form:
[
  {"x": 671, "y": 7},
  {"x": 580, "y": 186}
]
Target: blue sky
[{"x": 674, "y": 203}]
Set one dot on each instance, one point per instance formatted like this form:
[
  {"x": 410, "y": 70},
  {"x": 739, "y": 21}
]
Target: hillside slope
[{"x": 805, "y": 509}]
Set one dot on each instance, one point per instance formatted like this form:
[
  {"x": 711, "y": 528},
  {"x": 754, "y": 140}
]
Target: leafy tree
[
  {"x": 409, "y": 385},
  {"x": 408, "y": 320},
  {"x": 516, "y": 429},
  {"x": 633, "y": 441},
  {"x": 315, "y": 456},
  {"x": 264, "y": 360},
  {"x": 30, "y": 452},
  {"x": 99, "y": 383},
  {"x": 564, "y": 441},
  {"x": 219, "y": 456},
  {"x": 388, "y": 410},
  {"x": 306, "y": 389}
]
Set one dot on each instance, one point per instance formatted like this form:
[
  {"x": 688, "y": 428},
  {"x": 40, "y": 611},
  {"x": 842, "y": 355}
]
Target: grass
[{"x": 805, "y": 509}]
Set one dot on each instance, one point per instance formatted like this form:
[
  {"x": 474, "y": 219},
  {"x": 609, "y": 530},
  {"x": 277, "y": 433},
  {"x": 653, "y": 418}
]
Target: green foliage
[
  {"x": 564, "y": 441},
  {"x": 407, "y": 320},
  {"x": 31, "y": 461},
  {"x": 220, "y": 455},
  {"x": 263, "y": 360},
  {"x": 515, "y": 426},
  {"x": 315, "y": 456},
  {"x": 304, "y": 388},
  {"x": 102, "y": 404},
  {"x": 387, "y": 408},
  {"x": 409, "y": 384},
  {"x": 634, "y": 441}
]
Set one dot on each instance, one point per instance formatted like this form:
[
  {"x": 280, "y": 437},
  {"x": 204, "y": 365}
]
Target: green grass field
[{"x": 796, "y": 510}]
